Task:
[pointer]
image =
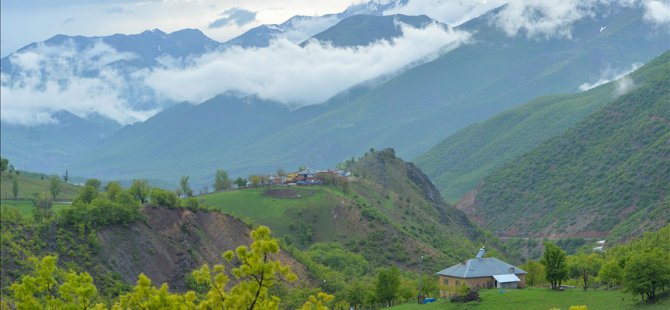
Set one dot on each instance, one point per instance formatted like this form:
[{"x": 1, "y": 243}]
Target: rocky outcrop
[{"x": 170, "y": 243}]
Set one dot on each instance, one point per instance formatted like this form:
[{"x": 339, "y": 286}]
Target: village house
[
  {"x": 481, "y": 272},
  {"x": 307, "y": 176}
]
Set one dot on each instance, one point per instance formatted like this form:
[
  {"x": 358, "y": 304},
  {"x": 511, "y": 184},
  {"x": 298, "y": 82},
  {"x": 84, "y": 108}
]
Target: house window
[
  {"x": 446, "y": 281},
  {"x": 458, "y": 283}
]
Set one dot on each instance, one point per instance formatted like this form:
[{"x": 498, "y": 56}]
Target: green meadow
[
  {"x": 541, "y": 298},
  {"x": 308, "y": 203},
  {"x": 34, "y": 183}
]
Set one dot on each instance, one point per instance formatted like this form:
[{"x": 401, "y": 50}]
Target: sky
[{"x": 27, "y": 21}]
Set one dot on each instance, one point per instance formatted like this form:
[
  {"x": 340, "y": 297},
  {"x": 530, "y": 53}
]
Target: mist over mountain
[
  {"x": 401, "y": 81},
  {"x": 300, "y": 28}
]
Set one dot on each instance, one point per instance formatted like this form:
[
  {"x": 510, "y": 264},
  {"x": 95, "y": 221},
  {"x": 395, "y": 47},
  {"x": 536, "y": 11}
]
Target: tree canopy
[{"x": 556, "y": 269}]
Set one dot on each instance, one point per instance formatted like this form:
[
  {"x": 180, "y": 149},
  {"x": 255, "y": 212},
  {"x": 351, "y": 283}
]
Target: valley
[{"x": 394, "y": 154}]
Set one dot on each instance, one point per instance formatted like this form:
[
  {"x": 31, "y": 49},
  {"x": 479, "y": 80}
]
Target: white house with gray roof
[{"x": 482, "y": 272}]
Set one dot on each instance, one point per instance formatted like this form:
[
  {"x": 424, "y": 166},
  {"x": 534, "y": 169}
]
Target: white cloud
[
  {"x": 304, "y": 28},
  {"x": 657, "y": 11},
  {"x": 542, "y": 17},
  {"x": 623, "y": 85},
  {"x": 52, "y": 78},
  {"x": 609, "y": 75},
  {"x": 84, "y": 81},
  {"x": 298, "y": 76},
  {"x": 554, "y": 18},
  {"x": 453, "y": 12}
]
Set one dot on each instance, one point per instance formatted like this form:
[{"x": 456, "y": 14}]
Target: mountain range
[{"x": 411, "y": 110}]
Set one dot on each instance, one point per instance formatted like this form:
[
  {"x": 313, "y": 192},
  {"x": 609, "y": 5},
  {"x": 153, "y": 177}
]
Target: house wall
[
  {"x": 522, "y": 277},
  {"x": 508, "y": 285},
  {"x": 454, "y": 282},
  {"x": 448, "y": 282}
]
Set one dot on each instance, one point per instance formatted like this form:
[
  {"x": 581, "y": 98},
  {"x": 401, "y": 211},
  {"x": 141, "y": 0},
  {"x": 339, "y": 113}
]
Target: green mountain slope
[
  {"x": 607, "y": 174},
  {"x": 458, "y": 163},
  {"x": 31, "y": 183},
  {"x": 410, "y": 112},
  {"x": 390, "y": 214},
  {"x": 52, "y": 147}
]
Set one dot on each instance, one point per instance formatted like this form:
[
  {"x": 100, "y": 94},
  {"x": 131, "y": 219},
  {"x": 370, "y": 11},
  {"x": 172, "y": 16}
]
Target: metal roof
[
  {"x": 481, "y": 267},
  {"x": 506, "y": 278}
]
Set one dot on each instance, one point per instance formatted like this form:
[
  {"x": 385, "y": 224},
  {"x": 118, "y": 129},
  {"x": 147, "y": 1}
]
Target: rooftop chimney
[{"x": 481, "y": 252}]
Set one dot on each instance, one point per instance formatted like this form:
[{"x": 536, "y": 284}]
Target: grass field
[
  {"x": 25, "y": 207},
  {"x": 538, "y": 298},
  {"x": 312, "y": 203},
  {"x": 30, "y": 183}
]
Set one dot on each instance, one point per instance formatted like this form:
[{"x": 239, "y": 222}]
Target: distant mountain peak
[{"x": 373, "y": 7}]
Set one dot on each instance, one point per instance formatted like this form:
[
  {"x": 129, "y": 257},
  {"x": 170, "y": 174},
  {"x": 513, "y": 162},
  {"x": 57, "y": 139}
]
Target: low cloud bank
[
  {"x": 554, "y": 18},
  {"x": 47, "y": 79},
  {"x": 298, "y": 76},
  {"x": 609, "y": 75}
]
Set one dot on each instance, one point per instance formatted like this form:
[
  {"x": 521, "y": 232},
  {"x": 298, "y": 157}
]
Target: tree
[
  {"x": 556, "y": 269},
  {"x": 221, "y": 180},
  {"x": 281, "y": 172},
  {"x": 66, "y": 177},
  {"x": 15, "y": 186},
  {"x": 584, "y": 266},
  {"x": 54, "y": 186},
  {"x": 255, "y": 180},
  {"x": 240, "y": 182},
  {"x": 4, "y": 164},
  {"x": 359, "y": 293},
  {"x": 86, "y": 194},
  {"x": 49, "y": 287},
  {"x": 146, "y": 296},
  {"x": 430, "y": 286},
  {"x": 113, "y": 190},
  {"x": 646, "y": 272},
  {"x": 255, "y": 274},
  {"x": 318, "y": 302},
  {"x": 140, "y": 190},
  {"x": 93, "y": 182},
  {"x": 185, "y": 187},
  {"x": 161, "y": 197},
  {"x": 42, "y": 207},
  {"x": 611, "y": 271},
  {"x": 535, "y": 273},
  {"x": 388, "y": 282}
]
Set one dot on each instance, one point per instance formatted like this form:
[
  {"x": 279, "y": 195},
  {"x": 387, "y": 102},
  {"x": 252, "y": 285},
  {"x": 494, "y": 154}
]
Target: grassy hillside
[
  {"x": 458, "y": 163},
  {"x": 543, "y": 299},
  {"x": 390, "y": 214},
  {"x": 608, "y": 174},
  {"x": 31, "y": 183}
]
